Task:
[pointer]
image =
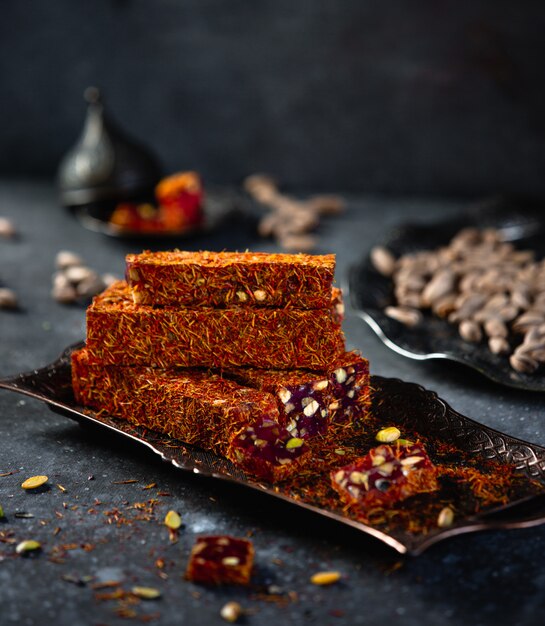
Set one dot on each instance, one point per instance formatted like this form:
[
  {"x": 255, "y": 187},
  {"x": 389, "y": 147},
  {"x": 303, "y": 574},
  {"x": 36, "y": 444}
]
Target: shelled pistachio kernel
[
  {"x": 231, "y": 611},
  {"x": 294, "y": 442},
  {"x": 445, "y": 517},
  {"x": 34, "y": 482},
  {"x": 28, "y": 545},
  {"x": 325, "y": 578},
  {"x": 8, "y": 299},
  {"x": 173, "y": 520},
  {"x": 66, "y": 258},
  {"x": 7, "y": 229},
  {"x": 387, "y": 435},
  {"x": 260, "y": 295},
  {"x": 146, "y": 593}
]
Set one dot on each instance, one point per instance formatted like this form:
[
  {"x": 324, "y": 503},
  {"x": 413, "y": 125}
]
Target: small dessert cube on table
[
  {"x": 386, "y": 475},
  {"x": 220, "y": 560}
]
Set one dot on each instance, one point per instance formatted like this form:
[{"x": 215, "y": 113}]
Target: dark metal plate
[
  {"x": 370, "y": 292},
  {"x": 394, "y": 402}
]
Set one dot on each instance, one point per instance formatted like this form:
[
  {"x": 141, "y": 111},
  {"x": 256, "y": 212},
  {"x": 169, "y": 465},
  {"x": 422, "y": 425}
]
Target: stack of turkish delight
[{"x": 239, "y": 353}]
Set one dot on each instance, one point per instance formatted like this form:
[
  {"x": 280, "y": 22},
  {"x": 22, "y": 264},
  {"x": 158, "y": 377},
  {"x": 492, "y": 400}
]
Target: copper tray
[{"x": 397, "y": 401}]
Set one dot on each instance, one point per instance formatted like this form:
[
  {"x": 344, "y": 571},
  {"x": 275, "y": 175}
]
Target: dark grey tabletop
[{"x": 485, "y": 578}]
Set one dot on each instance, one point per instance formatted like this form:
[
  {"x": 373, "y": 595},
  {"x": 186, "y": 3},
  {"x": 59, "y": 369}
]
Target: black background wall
[{"x": 419, "y": 96}]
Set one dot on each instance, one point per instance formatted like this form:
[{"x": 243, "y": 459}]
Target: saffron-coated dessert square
[
  {"x": 221, "y": 560},
  {"x": 196, "y": 407},
  {"x": 219, "y": 279},
  {"x": 315, "y": 403},
  {"x": 121, "y": 332},
  {"x": 386, "y": 475}
]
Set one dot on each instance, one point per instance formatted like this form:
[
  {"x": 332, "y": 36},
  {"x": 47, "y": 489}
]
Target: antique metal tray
[
  {"x": 394, "y": 402},
  {"x": 370, "y": 292}
]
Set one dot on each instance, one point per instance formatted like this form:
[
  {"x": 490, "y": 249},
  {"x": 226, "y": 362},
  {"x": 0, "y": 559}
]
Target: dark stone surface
[
  {"x": 419, "y": 97},
  {"x": 483, "y": 579}
]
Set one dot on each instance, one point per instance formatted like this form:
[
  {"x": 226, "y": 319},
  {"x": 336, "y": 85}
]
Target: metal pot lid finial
[{"x": 104, "y": 163}]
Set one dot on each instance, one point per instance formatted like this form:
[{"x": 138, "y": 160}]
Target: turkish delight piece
[
  {"x": 299, "y": 394},
  {"x": 196, "y": 407},
  {"x": 386, "y": 475},
  {"x": 315, "y": 403},
  {"x": 267, "y": 450},
  {"x": 349, "y": 388},
  {"x": 121, "y": 332},
  {"x": 221, "y": 560},
  {"x": 218, "y": 279}
]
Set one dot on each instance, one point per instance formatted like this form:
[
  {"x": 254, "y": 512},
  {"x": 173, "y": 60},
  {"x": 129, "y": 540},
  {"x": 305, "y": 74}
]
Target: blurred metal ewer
[{"x": 105, "y": 163}]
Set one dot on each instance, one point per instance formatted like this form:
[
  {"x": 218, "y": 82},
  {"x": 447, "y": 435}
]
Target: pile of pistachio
[
  {"x": 290, "y": 221},
  {"x": 74, "y": 281},
  {"x": 479, "y": 282}
]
